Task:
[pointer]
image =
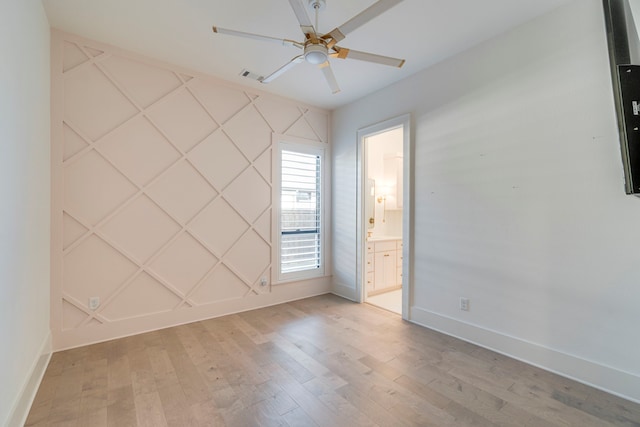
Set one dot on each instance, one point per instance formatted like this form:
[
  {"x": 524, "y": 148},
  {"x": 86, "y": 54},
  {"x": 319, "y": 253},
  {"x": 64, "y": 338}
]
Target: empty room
[{"x": 319, "y": 213}]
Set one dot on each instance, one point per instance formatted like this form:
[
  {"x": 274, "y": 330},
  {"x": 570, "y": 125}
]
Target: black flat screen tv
[{"x": 624, "y": 55}]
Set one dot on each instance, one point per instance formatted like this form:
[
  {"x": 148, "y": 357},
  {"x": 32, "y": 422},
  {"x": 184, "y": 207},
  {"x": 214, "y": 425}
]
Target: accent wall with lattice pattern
[{"x": 162, "y": 193}]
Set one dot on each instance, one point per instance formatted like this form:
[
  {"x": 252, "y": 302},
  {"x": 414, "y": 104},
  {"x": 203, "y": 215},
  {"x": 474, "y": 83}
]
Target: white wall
[
  {"x": 519, "y": 199},
  {"x": 25, "y": 207}
]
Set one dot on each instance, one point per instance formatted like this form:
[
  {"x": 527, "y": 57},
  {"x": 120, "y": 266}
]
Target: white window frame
[{"x": 300, "y": 145}]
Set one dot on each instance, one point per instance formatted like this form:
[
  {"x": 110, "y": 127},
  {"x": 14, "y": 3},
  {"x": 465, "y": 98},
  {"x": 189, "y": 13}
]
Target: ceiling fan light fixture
[{"x": 315, "y": 54}]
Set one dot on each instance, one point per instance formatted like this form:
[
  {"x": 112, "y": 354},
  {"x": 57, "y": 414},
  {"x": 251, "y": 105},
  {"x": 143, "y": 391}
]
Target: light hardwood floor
[{"x": 321, "y": 361}]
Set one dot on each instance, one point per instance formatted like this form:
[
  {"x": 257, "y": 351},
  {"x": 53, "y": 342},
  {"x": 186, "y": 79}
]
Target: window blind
[{"x": 300, "y": 212}]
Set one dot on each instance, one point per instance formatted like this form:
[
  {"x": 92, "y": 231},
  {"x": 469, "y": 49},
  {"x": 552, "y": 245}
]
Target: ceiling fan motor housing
[{"x": 315, "y": 53}]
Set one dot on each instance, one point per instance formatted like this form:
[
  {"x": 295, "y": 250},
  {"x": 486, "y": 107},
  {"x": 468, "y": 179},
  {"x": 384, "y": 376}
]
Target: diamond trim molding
[{"x": 166, "y": 171}]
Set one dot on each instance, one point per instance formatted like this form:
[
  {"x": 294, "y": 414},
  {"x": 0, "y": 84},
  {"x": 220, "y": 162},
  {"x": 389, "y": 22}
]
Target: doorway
[{"x": 384, "y": 206}]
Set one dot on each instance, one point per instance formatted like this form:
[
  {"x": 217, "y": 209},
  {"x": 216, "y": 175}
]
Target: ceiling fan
[{"x": 317, "y": 49}]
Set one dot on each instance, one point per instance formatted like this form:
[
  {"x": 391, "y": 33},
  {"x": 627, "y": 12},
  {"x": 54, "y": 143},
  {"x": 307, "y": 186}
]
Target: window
[{"x": 300, "y": 217}]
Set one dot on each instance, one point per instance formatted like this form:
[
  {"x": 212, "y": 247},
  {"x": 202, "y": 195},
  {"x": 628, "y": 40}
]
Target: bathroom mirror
[
  {"x": 621, "y": 19},
  {"x": 370, "y": 203}
]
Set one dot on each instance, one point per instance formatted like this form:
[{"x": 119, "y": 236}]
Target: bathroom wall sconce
[
  {"x": 383, "y": 199},
  {"x": 383, "y": 192}
]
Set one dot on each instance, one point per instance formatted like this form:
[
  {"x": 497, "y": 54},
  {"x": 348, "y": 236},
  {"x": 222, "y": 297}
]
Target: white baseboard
[
  {"x": 279, "y": 294},
  {"x": 22, "y": 405},
  {"x": 345, "y": 292},
  {"x": 605, "y": 378}
]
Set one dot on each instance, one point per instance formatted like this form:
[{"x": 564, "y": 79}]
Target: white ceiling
[{"x": 423, "y": 32}]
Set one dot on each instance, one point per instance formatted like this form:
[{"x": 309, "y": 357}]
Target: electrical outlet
[
  {"x": 464, "y": 304},
  {"x": 263, "y": 281},
  {"x": 94, "y": 302}
]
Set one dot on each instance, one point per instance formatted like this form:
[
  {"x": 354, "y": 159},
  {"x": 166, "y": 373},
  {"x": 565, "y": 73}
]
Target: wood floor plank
[
  {"x": 205, "y": 414},
  {"x": 371, "y": 409},
  {"x": 614, "y": 408},
  {"x": 325, "y": 392},
  {"x": 191, "y": 344},
  {"x": 247, "y": 328},
  {"x": 148, "y": 407},
  {"x": 259, "y": 414},
  {"x": 94, "y": 398},
  {"x": 253, "y": 318},
  {"x": 375, "y": 386},
  {"x": 322, "y": 361},
  {"x": 297, "y": 417},
  {"x": 93, "y": 406},
  {"x": 175, "y": 405},
  {"x": 65, "y": 405},
  {"x": 121, "y": 409},
  {"x": 96, "y": 418},
  {"x": 549, "y": 408},
  {"x": 278, "y": 399},
  {"x": 308, "y": 362},
  {"x": 161, "y": 366},
  {"x": 119, "y": 374},
  {"x": 310, "y": 404}
]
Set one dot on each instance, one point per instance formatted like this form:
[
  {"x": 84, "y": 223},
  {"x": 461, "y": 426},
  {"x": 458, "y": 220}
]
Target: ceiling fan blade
[
  {"x": 329, "y": 77},
  {"x": 284, "y": 42},
  {"x": 298, "y": 59},
  {"x": 360, "y": 19},
  {"x": 301, "y": 14},
  {"x": 344, "y": 53}
]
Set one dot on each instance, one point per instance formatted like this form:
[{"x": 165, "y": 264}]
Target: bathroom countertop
[{"x": 381, "y": 238}]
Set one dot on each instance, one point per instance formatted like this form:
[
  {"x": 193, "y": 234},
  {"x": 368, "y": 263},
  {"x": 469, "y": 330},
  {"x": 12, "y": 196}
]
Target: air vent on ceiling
[{"x": 251, "y": 75}]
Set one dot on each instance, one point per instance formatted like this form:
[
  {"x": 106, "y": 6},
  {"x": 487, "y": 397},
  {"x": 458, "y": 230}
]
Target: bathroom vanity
[{"x": 383, "y": 264}]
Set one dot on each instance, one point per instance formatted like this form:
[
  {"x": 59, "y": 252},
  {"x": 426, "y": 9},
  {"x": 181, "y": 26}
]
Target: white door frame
[{"x": 403, "y": 121}]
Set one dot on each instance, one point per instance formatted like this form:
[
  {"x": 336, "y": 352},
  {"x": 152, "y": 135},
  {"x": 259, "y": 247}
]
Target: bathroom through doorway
[{"x": 383, "y": 215}]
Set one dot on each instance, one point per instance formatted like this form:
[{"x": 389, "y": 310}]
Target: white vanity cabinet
[
  {"x": 369, "y": 267},
  {"x": 384, "y": 266}
]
